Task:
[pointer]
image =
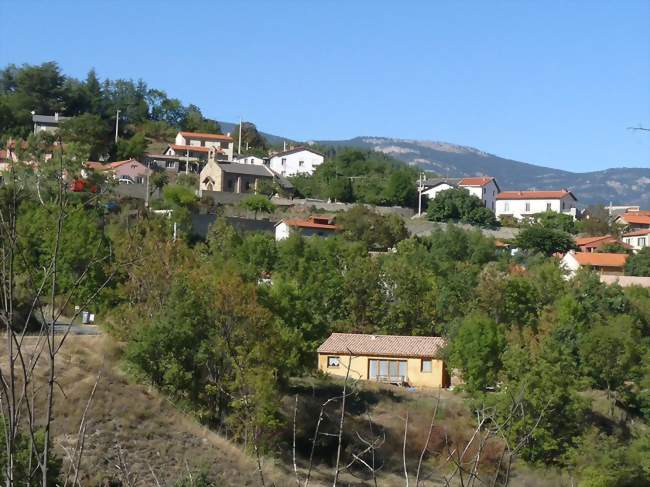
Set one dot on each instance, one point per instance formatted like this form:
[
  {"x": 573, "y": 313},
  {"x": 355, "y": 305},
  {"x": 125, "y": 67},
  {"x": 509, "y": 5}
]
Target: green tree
[
  {"x": 556, "y": 221},
  {"x": 401, "y": 190},
  {"x": 133, "y": 148},
  {"x": 596, "y": 221},
  {"x": 179, "y": 196},
  {"x": 159, "y": 180},
  {"x": 639, "y": 264},
  {"x": 251, "y": 139},
  {"x": 458, "y": 205},
  {"x": 622, "y": 343},
  {"x": 547, "y": 241},
  {"x": 475, "y": 347},
  {"x": 258, "y": 203},
  {"x": 89, "y": 130},
  {"x": 377, "y": 232}
]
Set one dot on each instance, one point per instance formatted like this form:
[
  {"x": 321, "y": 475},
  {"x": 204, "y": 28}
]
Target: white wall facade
[
  {"x": 431, "y": 193},
  {"x": 521, "y": 208},
  {"x": 638, "y": 242},
  {"x": 255, "y": 160},
  {"x": 486, "y": 193},
  {"x": 570, "y": 264},
  {"x": 299, "y": 162},
  {"x": 282, "y": 231}
]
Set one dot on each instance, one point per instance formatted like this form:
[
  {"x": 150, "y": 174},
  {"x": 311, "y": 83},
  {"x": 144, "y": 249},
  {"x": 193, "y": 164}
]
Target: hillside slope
[
  {"x": 617, "y": 185},
  {"x": 153, "y": 436}
]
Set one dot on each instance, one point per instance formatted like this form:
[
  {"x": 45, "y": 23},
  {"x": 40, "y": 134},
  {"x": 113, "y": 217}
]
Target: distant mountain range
[{"x": 620, "y": 186}]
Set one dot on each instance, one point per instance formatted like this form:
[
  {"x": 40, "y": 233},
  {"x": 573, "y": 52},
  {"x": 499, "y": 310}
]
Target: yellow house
[{"x": 403, "y": 360}]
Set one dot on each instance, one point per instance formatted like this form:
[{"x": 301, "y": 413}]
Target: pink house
[{"x": 128, "y": 172}]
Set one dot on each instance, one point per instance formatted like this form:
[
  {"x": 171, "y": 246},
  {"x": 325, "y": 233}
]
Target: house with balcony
[
  {"x": 484, "y": 188},
  {"x": 414, "y": 361},
  {"x": 300, "y": 160},
  {"x": 524, "y": 204},
  {"x": 197, "y": 145},
  {"x": 173, "y": 164}
]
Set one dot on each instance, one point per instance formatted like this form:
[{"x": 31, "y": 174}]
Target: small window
[
  {"x": 284, "y": 161},
  {"x": 548, "y": 206},
  {"x": 333, "y": 362},
  {"x": 139, "y": 180},
  {"x": 426, "y": 366},
  {"x": 170, "y": 164},
  {"x": 642, "y": 242},
  {"x": 527, "y": 207},
  {"x": 506, "y": 207},
  {"x": 301, "y": 163}
]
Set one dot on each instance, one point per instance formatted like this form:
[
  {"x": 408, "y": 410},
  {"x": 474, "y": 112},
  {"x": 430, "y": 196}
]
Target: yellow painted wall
[{"x": 359, "y": 369}]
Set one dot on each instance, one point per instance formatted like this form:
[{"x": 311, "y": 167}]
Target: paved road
[{"x": 60, "y": 329}]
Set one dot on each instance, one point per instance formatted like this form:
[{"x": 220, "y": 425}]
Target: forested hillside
[{"x": 144, "y": 112}]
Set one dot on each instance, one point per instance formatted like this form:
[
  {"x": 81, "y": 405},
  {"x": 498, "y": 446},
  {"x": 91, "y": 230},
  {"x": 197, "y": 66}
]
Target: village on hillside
[{"x": 306, "y": 308}]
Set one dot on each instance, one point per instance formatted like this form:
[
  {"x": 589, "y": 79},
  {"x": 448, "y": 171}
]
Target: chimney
[
  {"x": 285, "y": 146},
  {"x": 56, "y": 116}
]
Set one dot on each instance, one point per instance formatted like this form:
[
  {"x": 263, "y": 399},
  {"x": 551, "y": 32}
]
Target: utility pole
[
  {"x": 239, "y": 141},
  {"x": 420, "y": 189},
  {"x": 146, "y": 194},
  {"x": 117, "y": 123}
]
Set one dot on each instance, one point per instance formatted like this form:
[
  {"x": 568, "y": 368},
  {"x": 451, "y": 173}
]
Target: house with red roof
[
  {"x": 129, "y": 171},
  {"x": 593, "y": 244},
  {"x": 603, "y": 263},
  {"x": 392, "y": 359},
  {"x": 523, "y": 204},
  {"x": 322, "y": 226},
  {"x": 484, "y": 188},
  {"x": 198, "y": 145},
  {"x": 634, "y": 220}
]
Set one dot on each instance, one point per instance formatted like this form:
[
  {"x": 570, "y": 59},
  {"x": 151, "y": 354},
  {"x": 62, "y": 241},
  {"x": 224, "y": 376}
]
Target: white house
[
  {"x": 522, "y": 204},
  {"x": 321, "y": 226},
  {"x": 250, "y": 159},
  {"x": 301, "y": 160},
  {"x": 638, "y": 239},
  {"x": 195, "y": 144},
  {"x": 484, "y": 188},
  {"x": 47, "y": 123}
]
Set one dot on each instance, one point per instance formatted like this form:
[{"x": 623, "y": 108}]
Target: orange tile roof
[
  {"x": 580, "y": 241},
  {"x": 294, "y": 222},
  {"x": 100, "y": 166},
  {"x": 601, "y": 259},
  {"x": 475, "y": 181},
  {"x": 638, "y": 233},
  {"x": 533, "y": 195},
  {"x": 635, "y": 219},
  {"x": 191, "y": 148},
  {"x": 201, "y": 135},
  {"x": 383, "y": 345}
]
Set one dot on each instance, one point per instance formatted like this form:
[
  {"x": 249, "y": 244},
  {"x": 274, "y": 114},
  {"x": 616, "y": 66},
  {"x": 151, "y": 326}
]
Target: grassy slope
[{"x": 151, "y": 432}]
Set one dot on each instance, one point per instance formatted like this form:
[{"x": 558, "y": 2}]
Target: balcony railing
[{"x": 399, "y": 380}]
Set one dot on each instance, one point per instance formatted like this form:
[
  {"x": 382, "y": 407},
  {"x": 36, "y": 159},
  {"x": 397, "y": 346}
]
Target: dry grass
[{"x": 151, "y": 432}]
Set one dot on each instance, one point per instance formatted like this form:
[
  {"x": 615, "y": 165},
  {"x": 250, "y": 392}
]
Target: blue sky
[{"x": 551, "y": 83}]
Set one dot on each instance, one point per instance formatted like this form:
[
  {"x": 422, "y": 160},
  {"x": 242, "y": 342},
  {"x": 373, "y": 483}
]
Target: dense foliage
[
  {"x": 353, "y": 175},
  {"x": 458, "y": 205}
]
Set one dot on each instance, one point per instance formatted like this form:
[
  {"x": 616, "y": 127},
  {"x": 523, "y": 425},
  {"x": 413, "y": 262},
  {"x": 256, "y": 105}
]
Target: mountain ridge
[{"x": 618, "y": 185}]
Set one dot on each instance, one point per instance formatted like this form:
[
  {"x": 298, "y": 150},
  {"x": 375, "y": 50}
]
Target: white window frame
[
  {"x": 429, "y": 362},
  {"x": 333, "y": 361}
]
